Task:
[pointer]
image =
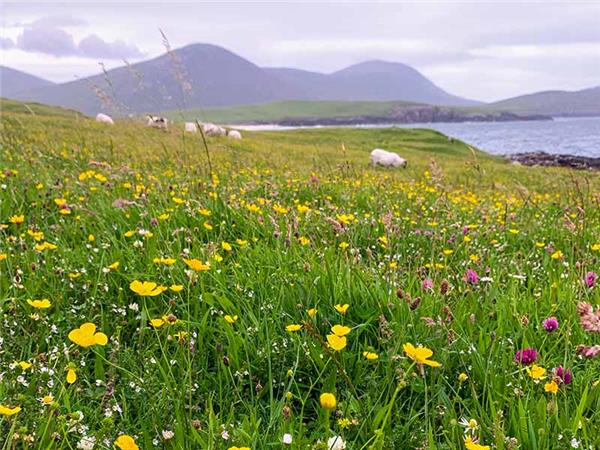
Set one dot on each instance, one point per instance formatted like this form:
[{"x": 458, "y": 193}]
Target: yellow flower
[
  {"x": 448, "y": 252},
  {"x": 238, "y": 448},
  {"x": 7, "y": 411},
  {"x": 340, "y": 330},
  {"x": 230, "y": 319},
  {"x": 551, "y": 387},
  {"x": 463, "y": 377},
  {"x": 241, "y": 242},
  {"x": 304, "y": 240},
  {"x": 24, "y": 365},
  {"x": 17, "y": 219},
  {"x": 47, "y": 399},
  {"x": 293, "y": 327},
  {"x": 205, "y": 212},
  {"x": 126, "y": 442},
  {"x": 146, "y": 288},
  {"x": 226, "y": 246},
  {"x": 3, "y": 256},
  {"x": 165, "y": 261},
  {"x": 536, "y": 372},
  {"x": 71, "y": 375},
  {"x": 86, "y": 336},
  {"x": 208, "y": 226},
  {"x": 196, "y": 265},
  {"x": 114, "y": 266},
  {"x": 337, "y": 343},
  {"x": 471, "y": 445},
  {"x": 312, "y": 312},
  {"x": 595, "y": 247},
  {"x": 91, "y": 238},
  {"x": 420, "y": 355},
  {"x": 176, "y": 287},
  {"x": 157, "y": 323},
  {"x": 328, "y": 400},
  {"x": 40, "y": 304},
  {"x": 343, "y": 245},
  {"x": 45, "y": 246},
  {"x": 342, "y": 308},
  {"x": 370, "y": 355},
  {"x": 557, "y": 255}
]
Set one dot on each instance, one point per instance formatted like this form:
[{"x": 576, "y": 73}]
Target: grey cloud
[
  {"x": 95, "y": 47},
  {"x": 45, "y": 36},
  {"x": 52, "y": 41},
  {"x": 6, "y": 43}
]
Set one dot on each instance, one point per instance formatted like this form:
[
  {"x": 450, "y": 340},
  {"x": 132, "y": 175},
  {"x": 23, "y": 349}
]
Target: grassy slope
[
  {"x": 586, "y": 102},
  {"x": 237, "y": 377},
  {"x": 13, "y": 106},
  {"x": 287, "y": 109}
]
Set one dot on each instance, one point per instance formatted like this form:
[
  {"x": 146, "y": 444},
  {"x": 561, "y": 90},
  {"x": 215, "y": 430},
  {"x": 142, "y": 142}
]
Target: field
[
  {"x": 297, "y": 297},
  {"x": 286, "y": 110}
]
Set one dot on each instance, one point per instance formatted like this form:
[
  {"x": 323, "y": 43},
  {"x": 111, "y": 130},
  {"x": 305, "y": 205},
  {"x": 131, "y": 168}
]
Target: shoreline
[{"x": 544, "y": 159}]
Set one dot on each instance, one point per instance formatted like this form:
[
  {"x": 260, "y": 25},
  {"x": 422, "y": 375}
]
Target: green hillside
[
  {"x": 286, "y": 110},
  {"x": 39, "y": 109}
]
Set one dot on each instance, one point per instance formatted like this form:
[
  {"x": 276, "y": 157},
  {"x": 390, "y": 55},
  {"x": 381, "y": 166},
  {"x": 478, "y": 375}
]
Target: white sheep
[
  {"x": 384, "y": 158},
  {"x": 104, "y": 118},
  {"x": 210, "y": 129},
  {"x": 191, "y": 127},
  {"x": 234, "y": 134},
  {"x": 157, "y": 122}
]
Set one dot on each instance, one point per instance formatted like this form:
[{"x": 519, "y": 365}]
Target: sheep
[
  {"x": 210, "y": 129},
  {"x": 104, "y": 118},
  {"x": 191, "y": 127},
  {"x": 157, "y": 122},
  {"x": 234, "y": 134},
  {"x": 387, "y": 159}
]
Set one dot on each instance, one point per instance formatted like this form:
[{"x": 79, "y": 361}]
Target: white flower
[
  {"x": 167, "y": 434},
  {"x": 287, "y": 439},
  {"x": 86, "y": 443},
  {"x": 574, "y": 443},
  {"x": 336, "y": 443}
]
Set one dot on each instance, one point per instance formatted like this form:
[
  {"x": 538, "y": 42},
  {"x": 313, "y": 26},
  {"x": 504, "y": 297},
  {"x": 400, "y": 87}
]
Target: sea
[{"x": 573, "y": 136}]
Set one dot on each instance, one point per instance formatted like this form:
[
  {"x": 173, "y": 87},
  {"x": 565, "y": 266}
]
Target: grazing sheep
[
  {"x": 158, "y": 122},
  {"x": 384, "y": 158},
  {"x": 104, "y": 118},
  {"x": 191, "y": 127},
  {"x": 210, "y": 129},
  {"x": 234, "y": 134}
]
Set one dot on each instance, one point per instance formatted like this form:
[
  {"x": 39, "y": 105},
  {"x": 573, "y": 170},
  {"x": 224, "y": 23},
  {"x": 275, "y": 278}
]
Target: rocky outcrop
[{"x": 546, "y": 159}]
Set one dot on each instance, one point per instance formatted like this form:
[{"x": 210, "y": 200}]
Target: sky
[{"x": 480, "y": 50}]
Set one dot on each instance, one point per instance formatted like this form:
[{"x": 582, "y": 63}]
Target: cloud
[
  {"x": 46, "y": 35},
  {"x": 94, "y": 47},
  {"x": 6, "y": 43},
  {"x": 52, "y": 41}
]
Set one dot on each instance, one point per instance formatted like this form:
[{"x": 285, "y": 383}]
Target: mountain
[
  {"x": 585, "y": 102},
  {"x": 217, "y": 77},
  {"x": 14, "y": 81}
]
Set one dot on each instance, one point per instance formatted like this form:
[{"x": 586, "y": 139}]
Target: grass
[
  {"x": 286, "y": 110},
  {"x": 288, "y": 222},
  {"x": 8, "y": 106}
]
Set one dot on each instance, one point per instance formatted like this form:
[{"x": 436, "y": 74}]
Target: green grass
[
  {"x": 8, "y": 106},
  {"x": 286, "y": 110},
  {"x": 308, "y": 225}
]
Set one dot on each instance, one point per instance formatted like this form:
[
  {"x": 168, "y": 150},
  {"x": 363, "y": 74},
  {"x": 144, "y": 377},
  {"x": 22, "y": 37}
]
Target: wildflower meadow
[{"x": 278, "y": 292}]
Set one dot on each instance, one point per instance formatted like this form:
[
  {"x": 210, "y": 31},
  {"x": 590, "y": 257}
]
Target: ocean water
[{"x": 573, "y": 136}]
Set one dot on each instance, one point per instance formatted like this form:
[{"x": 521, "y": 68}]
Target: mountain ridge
[{"x": 218, "y": 77}]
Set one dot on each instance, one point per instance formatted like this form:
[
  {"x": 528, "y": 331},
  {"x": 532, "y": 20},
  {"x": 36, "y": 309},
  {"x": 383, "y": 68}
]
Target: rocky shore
[{"x": 546, "y": 159}]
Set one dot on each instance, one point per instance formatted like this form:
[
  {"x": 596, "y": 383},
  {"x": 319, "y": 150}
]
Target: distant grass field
[
  {"x": 295, "y": 293},
  {"x": 285, "y": 110},
  {"x": 39, "y": 109}
]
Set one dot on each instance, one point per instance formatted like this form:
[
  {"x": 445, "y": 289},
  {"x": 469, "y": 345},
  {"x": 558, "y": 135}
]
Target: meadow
[{"x": 278, "y": 292}]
